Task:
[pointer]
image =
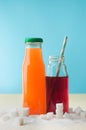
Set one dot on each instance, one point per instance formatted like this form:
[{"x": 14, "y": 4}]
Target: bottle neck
[
  {"x": 56, "y": 66},
  {"x": 53, "y": 59},
  {"x": 34, "y": 51},
  {"x": 33, "y": 45}
]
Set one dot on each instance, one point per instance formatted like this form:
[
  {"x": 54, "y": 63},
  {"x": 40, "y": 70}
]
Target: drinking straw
[{"x": 61, "y": 55}]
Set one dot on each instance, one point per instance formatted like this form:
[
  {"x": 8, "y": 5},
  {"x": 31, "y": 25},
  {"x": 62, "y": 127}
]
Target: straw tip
[{"x": 66, "y": 37}]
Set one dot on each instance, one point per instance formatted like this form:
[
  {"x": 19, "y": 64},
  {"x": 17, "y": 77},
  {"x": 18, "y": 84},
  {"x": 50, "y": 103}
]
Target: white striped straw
[{"x": 61, "y": 56}]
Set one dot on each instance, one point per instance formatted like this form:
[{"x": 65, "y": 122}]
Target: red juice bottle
[{"x": 57, "y": 85}]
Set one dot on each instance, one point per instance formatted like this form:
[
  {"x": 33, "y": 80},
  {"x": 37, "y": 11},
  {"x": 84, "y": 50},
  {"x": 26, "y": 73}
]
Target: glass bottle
[
  {"x": 57, "y": 85},
  {"x": 34, "y": 82}
]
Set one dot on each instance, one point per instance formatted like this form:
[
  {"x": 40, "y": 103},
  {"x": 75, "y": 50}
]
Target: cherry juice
[{"x": 57, "y": 92}]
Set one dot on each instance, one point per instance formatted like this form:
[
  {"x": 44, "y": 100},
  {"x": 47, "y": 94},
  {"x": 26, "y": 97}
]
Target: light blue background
[{"x": 51, "y": 20}]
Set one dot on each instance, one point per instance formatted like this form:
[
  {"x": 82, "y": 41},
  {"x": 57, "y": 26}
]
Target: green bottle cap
[{"x": 33, "y": 40}]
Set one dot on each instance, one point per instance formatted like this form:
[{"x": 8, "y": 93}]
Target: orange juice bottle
[{"x": 34, "y": 82}]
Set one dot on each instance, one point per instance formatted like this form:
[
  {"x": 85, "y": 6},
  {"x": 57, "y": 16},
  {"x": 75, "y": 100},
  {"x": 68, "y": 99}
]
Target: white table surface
[{"x": 15, "y": 100}]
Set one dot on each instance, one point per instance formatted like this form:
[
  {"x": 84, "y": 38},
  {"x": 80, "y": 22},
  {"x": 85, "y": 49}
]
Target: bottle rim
[{"x": 56, "y": 58}]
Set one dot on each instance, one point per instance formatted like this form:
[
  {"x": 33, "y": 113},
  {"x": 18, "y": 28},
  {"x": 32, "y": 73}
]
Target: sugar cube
[
  {"x": 24, "y": 111},
  {"x": 19, "y": 121},
  {"x": 83, "y": 114},
  {"x": 66, "y": 115},
  {"x": 59, "y": 106},
  {"x": 59, "y": 115},
  {"x": 49, "y": 115},
  {"x": 78, "y": 110}
]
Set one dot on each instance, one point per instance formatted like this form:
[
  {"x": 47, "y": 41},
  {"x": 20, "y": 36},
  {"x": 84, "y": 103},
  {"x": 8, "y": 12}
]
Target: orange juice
[{"x": 34, "y": 82}]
